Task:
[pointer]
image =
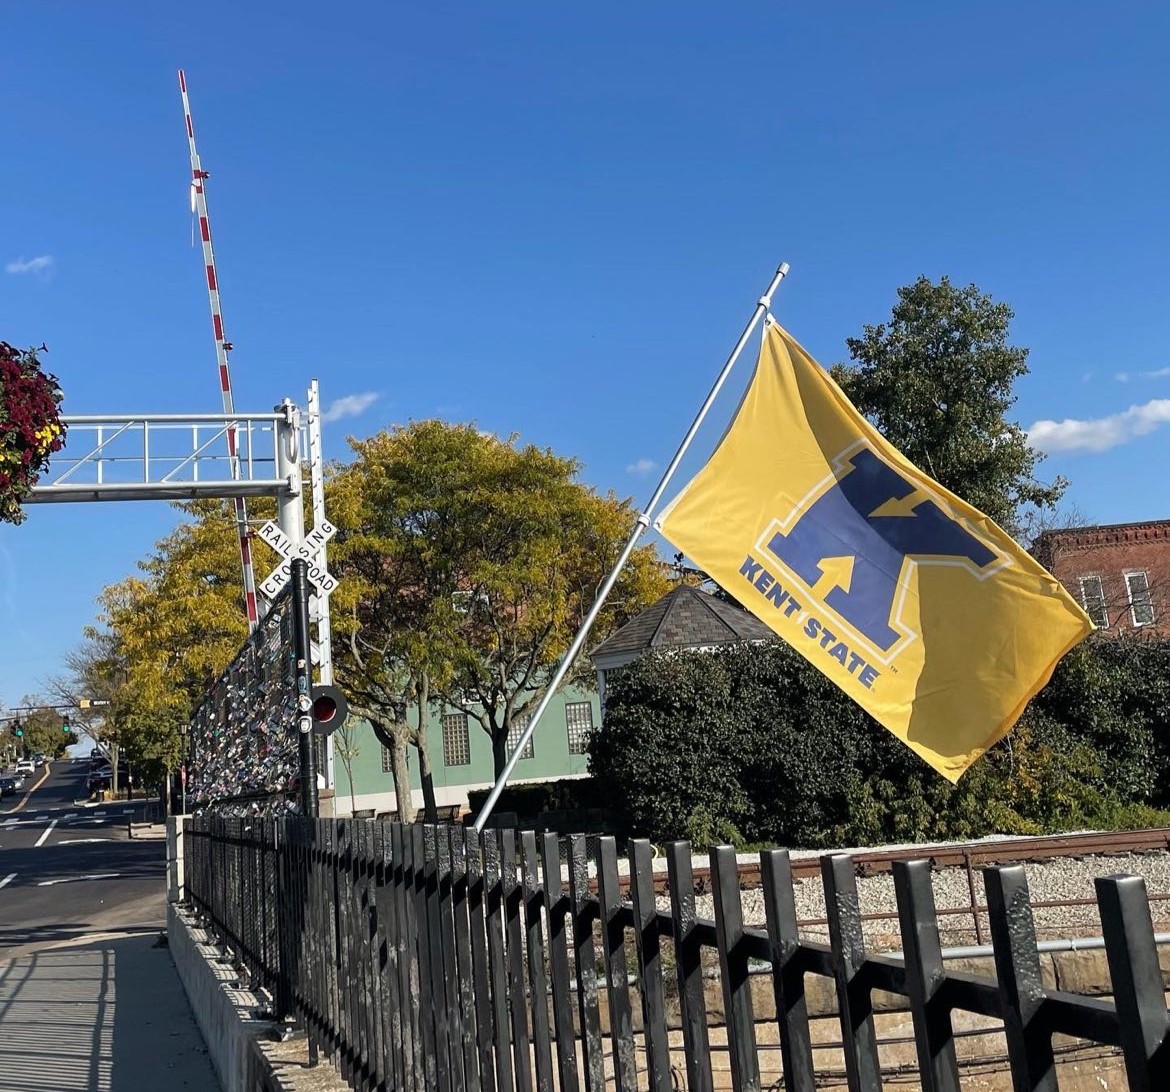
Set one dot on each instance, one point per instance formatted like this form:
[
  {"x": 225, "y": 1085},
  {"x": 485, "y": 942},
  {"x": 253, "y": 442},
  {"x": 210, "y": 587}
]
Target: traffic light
[
  {"x": 18, "y": 729},
  {"x": 65, "y": 725}
]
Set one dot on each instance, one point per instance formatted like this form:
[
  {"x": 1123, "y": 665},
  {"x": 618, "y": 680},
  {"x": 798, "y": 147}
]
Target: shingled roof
[{"x": 684, "y": 618}]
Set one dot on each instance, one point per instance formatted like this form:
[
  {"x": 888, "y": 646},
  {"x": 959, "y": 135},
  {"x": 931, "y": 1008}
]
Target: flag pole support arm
[{"x": 643, "y": 522}]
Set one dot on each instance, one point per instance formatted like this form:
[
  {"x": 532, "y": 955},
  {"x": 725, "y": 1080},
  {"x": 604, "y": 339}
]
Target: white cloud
[
  {"x": 1125, "y": 377},
  {"x": 642, "y": 467},
  {"x": 352, "y": 405},
  {"x": 40, "y": 264},
  {"x": 1101, "y": 433}
]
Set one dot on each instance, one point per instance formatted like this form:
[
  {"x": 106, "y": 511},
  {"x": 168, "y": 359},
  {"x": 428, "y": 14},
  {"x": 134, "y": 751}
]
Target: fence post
[
  {"x": 648, "y": 944},
  {"x": 613, "y": 947},
  {"x": 1021, "y": 989},
  {"x": 733, "y": 969},
  {"x": 1136, "y": 977},
  {"x": 933, "y": 1034},
  {"x": 534, "y": 945},
  {"x": 862, "y": 1068},
  {"x": 688, "y": 958},
  {"x": 787, "y": 976},
  {"x": 558, "y": 942},
  {"x": 585, "y": 958}
]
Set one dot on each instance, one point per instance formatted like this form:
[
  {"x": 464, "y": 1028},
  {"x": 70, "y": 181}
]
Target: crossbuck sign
[{"x": 308, "y": 550}]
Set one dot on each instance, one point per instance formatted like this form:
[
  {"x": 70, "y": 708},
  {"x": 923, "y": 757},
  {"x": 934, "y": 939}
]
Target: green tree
[
  {"x": 937, "y": 380},
  {"x": 475, "y": 560}
]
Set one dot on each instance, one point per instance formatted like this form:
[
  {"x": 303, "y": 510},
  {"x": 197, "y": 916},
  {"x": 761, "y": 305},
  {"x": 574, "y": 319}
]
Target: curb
[{"x": 243, "y": 1049}]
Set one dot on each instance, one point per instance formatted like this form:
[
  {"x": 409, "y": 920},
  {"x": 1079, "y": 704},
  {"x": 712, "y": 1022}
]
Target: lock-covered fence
[
  {"x": 242, "y": 743},
  {"x": 433, "y": 957}
]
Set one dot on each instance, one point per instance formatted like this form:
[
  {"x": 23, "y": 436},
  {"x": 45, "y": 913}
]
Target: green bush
[{"x": 748, "y": 744}]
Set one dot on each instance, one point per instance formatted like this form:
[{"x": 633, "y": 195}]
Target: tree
[
  {"x": 474, "y": 561},
  {"x": 937, "y": 381},
  {"x": 163, "y": 638},
  {"x": 30, "y": 427}
]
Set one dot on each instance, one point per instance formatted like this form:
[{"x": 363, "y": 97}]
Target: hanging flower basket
[{"x": 30, "y": 427}]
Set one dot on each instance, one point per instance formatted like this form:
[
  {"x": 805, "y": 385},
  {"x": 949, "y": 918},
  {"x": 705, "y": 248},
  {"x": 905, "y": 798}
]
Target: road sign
[
  {"x": 320, "y": 577},
  {"x": 314, "y": 541},
  {"x": 308, "y": 549}
]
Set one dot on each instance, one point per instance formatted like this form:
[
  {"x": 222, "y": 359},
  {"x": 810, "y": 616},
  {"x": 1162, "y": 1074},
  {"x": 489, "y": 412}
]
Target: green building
[{"x": 461, "y": 756}]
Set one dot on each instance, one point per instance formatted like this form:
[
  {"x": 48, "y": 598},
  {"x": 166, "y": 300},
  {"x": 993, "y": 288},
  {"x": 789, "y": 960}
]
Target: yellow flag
[{"x": 918, "y": 606}]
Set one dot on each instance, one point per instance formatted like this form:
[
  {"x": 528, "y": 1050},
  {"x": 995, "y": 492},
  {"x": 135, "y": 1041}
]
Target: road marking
[
  {"x": 48, "y": 831},
  {"x": 127, "y": 811},
  {"x": 24, "y": 801},
  {"x": 74, "y": 879},
  {"x": 8, "y": 879},
  {"x": 80, "y": 841},
  {"x": 71, "y": 815}
]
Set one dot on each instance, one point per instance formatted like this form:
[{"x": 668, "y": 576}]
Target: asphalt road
[{"x": 69, "y": 868}]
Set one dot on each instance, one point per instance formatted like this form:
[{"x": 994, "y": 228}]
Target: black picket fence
[{"x": 423, "y": 957}]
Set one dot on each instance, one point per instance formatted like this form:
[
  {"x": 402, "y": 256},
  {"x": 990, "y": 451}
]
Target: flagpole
[{"x": 643, "y": 522}]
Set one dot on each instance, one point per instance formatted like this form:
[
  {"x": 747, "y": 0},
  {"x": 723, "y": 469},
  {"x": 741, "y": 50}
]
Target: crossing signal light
[{"x": 329, "y": 709}]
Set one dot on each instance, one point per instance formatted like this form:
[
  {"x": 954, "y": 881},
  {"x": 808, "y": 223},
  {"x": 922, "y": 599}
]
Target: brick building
[{"x": 1119, "y": 573}]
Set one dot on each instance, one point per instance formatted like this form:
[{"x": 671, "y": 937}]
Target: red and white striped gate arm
[{"x": 222, "y": 347}]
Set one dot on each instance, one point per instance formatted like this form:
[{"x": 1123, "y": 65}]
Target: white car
[{"x": 26, "y": 765}]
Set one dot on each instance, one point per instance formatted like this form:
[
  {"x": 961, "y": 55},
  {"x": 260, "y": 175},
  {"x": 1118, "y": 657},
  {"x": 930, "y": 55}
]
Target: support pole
[
  {"x": 290, "y": 513},
  {"x": 307, "y": 753},
  {"x": 640, "y": 526}
]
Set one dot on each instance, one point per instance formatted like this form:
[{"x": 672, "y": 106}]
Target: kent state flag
[{"x": 918, "y": 606}]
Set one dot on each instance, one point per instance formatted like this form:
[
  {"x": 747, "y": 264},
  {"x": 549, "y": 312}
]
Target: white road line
[
  {"x": 8, "y": 879},
  {"x": 74, "y": 879},
  {"x": 127, "y": 811},
  {"x": 71, "y": 815},
  {"x": 80, "y": 841},
  {"x": 48, "y": 831}
]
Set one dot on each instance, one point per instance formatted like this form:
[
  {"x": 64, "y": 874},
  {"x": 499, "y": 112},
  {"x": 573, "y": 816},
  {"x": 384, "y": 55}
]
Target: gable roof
[{"x": 684, "y": 618}]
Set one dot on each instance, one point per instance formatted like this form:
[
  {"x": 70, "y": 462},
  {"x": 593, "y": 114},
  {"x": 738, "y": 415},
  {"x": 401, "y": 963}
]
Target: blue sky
[{"x": 554, "y": 221}]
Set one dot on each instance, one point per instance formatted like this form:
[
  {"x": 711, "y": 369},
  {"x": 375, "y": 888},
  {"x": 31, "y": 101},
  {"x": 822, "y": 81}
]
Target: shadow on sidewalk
[{"x": 108, "y": 1016}]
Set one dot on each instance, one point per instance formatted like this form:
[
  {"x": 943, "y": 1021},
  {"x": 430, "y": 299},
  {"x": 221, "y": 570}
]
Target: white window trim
[
  {"x": 1129, "y": 595},
  {"x": 1085, "y": 599}
]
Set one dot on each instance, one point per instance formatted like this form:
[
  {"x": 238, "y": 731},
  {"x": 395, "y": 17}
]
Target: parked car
[
  {"x": 26, "y": 766},
  {"x": 38, "y": 759},
  {"x": 7, "y": 786}
]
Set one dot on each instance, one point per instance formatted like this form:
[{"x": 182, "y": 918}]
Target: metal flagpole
[{"x": 643, "y": 522}]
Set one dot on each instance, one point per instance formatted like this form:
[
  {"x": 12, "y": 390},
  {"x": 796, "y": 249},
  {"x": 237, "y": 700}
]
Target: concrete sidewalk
[{"x": 104, "y": 1015}]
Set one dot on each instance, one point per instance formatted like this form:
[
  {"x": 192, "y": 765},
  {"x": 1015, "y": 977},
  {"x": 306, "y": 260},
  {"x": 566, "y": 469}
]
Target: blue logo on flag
[{"x": 846, "y": 520}]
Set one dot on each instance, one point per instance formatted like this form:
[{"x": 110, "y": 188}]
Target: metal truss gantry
[{"x": 173, "y": 456}]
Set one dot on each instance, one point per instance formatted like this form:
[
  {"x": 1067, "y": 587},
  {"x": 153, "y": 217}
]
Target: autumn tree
[
  {"x": 165, "y": 636},
  {"x": 471, "y": 562},
  {"x": 937, "y": 381}
]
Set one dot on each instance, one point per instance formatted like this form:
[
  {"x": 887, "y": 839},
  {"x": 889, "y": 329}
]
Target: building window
[
  {"x": 1093, "y": 600},
  {"x": 1141, "y": 608},
  {"x": 456, "y": 744},
  {"x": 387, "y": 760},
  {"x": 514, "y": 734},
  {"x": 578, "y": 725}
]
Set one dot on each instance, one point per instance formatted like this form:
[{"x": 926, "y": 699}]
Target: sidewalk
[{"x": 101, "y": 1016}]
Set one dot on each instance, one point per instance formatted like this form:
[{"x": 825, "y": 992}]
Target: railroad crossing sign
[{"x": 319, "y": 576}]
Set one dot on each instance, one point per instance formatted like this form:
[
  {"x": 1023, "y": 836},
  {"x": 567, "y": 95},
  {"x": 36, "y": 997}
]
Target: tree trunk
[
  {"x": 424, "y": 752},
  {"x": 401, "y": 774},
  {"x": 500, "y": 750},
  {"x": 394, "y": 739},
  {"x": 114, "y": 770}
]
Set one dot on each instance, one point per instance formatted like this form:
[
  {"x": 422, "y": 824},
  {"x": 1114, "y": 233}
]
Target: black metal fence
[{"x": 423, "y": 957}]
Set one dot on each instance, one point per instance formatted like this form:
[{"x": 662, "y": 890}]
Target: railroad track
[{"x": 968, "y": 855}]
